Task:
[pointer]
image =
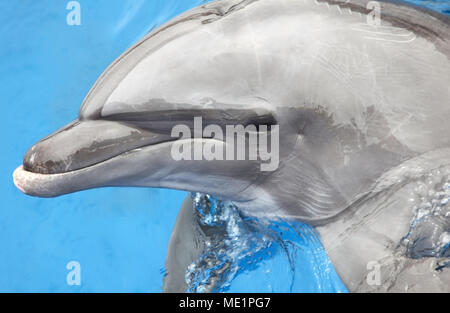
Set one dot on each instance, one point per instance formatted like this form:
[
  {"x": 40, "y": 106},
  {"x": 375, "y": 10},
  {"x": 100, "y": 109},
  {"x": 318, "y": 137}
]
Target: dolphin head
[{"x": 123, "y": 133}]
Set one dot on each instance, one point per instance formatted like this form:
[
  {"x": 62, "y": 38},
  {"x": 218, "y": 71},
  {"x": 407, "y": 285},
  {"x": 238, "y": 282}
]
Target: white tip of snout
[
  {"x": 17, "y": 177},
  {"x": 35, "y": 184}
]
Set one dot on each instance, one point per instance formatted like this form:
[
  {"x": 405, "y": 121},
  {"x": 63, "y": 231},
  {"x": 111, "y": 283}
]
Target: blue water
[{"x": 119, "y": 236}]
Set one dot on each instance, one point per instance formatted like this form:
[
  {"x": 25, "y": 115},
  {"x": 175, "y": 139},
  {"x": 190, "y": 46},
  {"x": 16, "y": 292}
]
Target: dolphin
[{"x": 360, "y": 91}]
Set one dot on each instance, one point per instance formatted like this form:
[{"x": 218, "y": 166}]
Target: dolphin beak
[{"x": 75, "y": 148}]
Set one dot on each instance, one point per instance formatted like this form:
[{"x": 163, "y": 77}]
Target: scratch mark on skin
[
  {"x": 386, "y": 33},
  {"x": 409, "y": 34},
  {"x": 391, "y": 40},
  {"x": 338, "y": 6}
]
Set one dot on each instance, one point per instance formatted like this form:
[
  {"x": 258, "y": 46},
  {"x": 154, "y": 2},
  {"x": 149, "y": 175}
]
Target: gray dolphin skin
[{"x": 363, "y": 109}]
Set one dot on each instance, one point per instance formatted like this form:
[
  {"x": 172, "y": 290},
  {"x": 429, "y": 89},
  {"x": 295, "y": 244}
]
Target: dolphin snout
[
  {"x": 45, "y": 156},
  {"x": 81, "y": 144}
]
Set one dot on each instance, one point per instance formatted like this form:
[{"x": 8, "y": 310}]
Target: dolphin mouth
[
  {"x": 53, "y": 185},
  {"x": 93, "y": 153},
  {"x": 59, "y": 162}
]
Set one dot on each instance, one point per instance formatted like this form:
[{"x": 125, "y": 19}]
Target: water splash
[
  {"x": 429, "y": 234},
  {"x": 237, "y": 245}
]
